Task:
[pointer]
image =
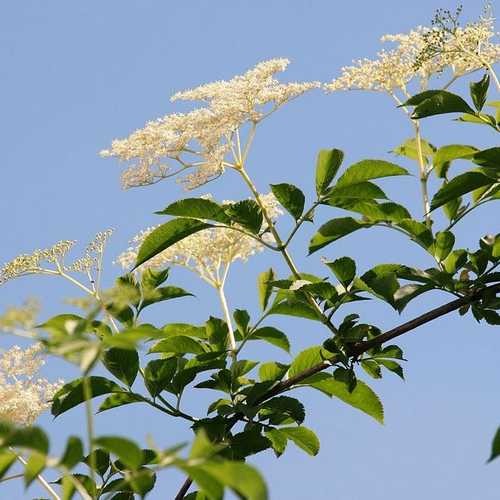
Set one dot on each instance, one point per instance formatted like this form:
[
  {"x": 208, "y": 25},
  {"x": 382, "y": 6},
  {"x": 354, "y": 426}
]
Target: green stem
[
  {"x": 87, "y": 392},
  {"x": 39, "y": 478},
  {"x": 423, "y": 175},
  {"x": 281, "y": 247}
]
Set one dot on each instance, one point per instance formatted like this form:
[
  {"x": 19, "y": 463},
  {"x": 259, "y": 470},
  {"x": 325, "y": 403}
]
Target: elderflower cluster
[
  {"x": 20, "y": 319},
  {"x": 420, "y": 54},
  {"x": 36, "y": 262},
  {"x": 202, "y": 139},
  {"x": 207, "y": 253},
  {"x": 23, "y": 396},
  {"x": 25, "y": 264}
]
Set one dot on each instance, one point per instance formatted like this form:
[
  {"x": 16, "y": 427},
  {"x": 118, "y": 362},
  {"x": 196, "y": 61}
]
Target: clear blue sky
[{"x": 74, "y": 75}]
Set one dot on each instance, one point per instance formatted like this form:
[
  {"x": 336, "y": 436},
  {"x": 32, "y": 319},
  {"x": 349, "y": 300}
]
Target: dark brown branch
[
  {"x": 184, "y": 489},
  {"x": 359, "y": 349}
]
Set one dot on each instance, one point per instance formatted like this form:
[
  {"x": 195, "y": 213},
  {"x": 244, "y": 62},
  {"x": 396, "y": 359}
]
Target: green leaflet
[
  {"x": 327, "y": 165},
  {"x": 291, "y": 197},
  {"x": 166, "y": 235}
]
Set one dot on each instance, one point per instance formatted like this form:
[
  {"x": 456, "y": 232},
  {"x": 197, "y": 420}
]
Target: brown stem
[
  {"x": 358, "y": 349},
  {"x": 184, "y": 489}
]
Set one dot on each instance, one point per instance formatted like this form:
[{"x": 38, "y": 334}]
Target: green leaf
[
  {"x": 198, "y": 208},
  {"x": 334, "y": 230},
  {"x": 291, "y": 197},
  {"x": 437, "y": 102},
  {"x": 72, "y": 394},
  {"x": 125, "y": 449},
  {"x": 292, "y": 307},
  {"x": 174, "y": 329},
  {"x": 303, "y": 437},
  {"x": 362, "y": 397},
  {"x": 30, "y": 438},
  {"x": 212, "y": 488},
  {"x": 73, "y": 453},
  {"x": 458, "y": 186},
  {"x": 158, "y": 374},
  {"x": 327, "y": 165},
  {"x": 371, "y": 367},
  {"x": 305, "y": 360},
  {"x": 242, "y": 320},
  {"x": 264, "y": 287},
  {"x": 153, "y": 278},
  {"x": 446, "y": 154},
  {"x": 495, "y": 446},
  {"x": 375, "y": 212},
  {"x": 119, "y": 399},
  {"x": 35, "y": 465},
  {"x": 369, "y": 169},
  {"x": 7, "y": 459},
  {"x": 123, "y": 364},
  {"x": 178, "y": 344},
  {"x": 344, "y": 269},
  {"x": 479, "y": 91},
  {"x": 418, "y": 231},
  {"x": 273, "y": 336},
  {"x": 283, "y": 407},
  {"x": 101, "y": 460},
  {"x": 155, "y": 295},
  {"x": 455, "y": 261},
  {"x": 338, "y": 195},
  {"x": 272, "y": 371},
  {"x": 166, "y": 235},
  {"x": 278, "y": 440},
  {"x": 409, "y": 148},
  {"x": 443, "y": 244},
  {"x": 240, "y": 477},
  {"x": 247, "y": 213}
]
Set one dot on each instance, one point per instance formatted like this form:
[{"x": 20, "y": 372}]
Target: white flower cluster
[
  {"x": 23, "y": 397},
  {"x": 202, "y": 138},
  {"x": 420, "y": 54},
  {"x": 208, "y": 252},
  {"x": 35, "y": 262}
]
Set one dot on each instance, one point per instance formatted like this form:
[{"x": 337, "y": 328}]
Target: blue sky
[{"x": 77, "y": 74}]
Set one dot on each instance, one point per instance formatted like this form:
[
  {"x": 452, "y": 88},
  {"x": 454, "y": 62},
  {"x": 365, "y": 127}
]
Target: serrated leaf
[
  {"x": 344, "y": 269},
  {"x": 178, "y": 344},
  {"x": 119, "y": 399},
  {"x": 443, "y": 244},
  {"x": 303, "y": 437},
  {"x": 362, "y": 397},
  {"x": 458, "y": 186},
  {"x": 199, "y": 208},
  {"x": 72, "y": 394},
  {"x": 305, "y": 360},
  {"x": 265, "y": 287},
  {"x": 437, "y": 102},
  {"x": 285, "y": 407},
  {"x": 479, "y": 91},
  {"x": 327, "y": 165},
  {"x": 273, "y": 336},
  {"x": 272, "y": 371},
  {"x": 358, "y": 191},
  {"x": 122, "y": 363},
  {"x": 158, "y": 373},
  {"x": 125, "y": 449},
  {"x": 334, "y": 230},
  {"x": 292, "y": 307},
  {"x": 291, "y": 197},
  {"x": 369, "y": 169},
  {"x": 247, "y": 213},
  {"x": 446, "y": 154},
  {"x": 73, "y": 453},
  {"x": 240, "y": 477},
  {"x": 278, "y": 440},
  {"x": 166, "y": 235}
]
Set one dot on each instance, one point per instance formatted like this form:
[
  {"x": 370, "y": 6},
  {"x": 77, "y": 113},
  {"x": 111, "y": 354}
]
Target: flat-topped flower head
[
  {"x": 204, "y": 139},
  {"x": 51, "y": 260},
  {"x": 421, "y": 53},
  {"x": 207, "y": 253},
  {"x": 23, "y": 396}
]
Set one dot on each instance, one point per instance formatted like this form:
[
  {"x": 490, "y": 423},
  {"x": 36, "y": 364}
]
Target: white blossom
[{"x": 23, "y": 396}]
